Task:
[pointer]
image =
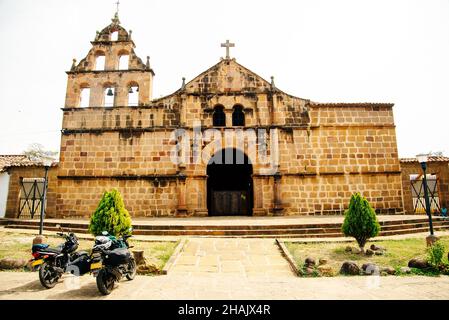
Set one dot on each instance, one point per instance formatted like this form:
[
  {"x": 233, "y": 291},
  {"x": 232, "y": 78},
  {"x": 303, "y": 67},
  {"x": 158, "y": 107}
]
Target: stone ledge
[
  {"x": 286, "y": 254},
  {"x": 123, "y": 177},
  {"x": 173, "y": 257}
]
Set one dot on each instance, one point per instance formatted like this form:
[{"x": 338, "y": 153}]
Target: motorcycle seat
[
  {"x": 58, "y": 249},
  {"x": 53, "y": 250}
]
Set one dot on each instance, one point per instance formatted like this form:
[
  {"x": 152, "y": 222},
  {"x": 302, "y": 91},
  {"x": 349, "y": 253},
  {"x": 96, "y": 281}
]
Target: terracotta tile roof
[
  {"x": 16, "y": 161},
  {"x": 351, "y": 104},
  {"x": 430, "y": 159}
]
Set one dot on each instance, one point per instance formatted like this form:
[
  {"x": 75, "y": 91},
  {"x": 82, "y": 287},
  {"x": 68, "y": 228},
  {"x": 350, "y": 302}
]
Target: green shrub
[
  {"x": 435, "y": 254},
  {"x": 110, "y": 216},
  {"x": 360, "y": 221}
]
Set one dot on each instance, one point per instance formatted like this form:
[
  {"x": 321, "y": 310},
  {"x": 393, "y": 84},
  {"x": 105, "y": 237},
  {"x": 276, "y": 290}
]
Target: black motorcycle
[
  {"x": 54, "y": 262},
  {"x": 110, "y": 261}
]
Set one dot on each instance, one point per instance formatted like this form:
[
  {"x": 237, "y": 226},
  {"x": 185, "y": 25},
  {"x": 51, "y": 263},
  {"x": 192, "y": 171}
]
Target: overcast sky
[{"x": 325, "y": 51}]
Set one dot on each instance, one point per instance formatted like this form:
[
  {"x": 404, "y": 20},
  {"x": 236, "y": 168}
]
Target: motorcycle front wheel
[
  {"x": 132, "y": 269},
  {"x": 105, "y": 282},
  {"x": 48, "y": 276}
]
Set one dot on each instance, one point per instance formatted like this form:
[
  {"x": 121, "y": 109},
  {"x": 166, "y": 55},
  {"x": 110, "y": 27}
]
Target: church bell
[
  {"x": 110, "y": 93},
  {"x": 130, "y": 90}
]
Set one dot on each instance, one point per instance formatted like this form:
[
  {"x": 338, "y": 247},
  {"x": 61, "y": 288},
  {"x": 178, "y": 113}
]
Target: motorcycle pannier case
[
  {"x": 117, "y": 256},
  {"x": 82, "y": 265}
]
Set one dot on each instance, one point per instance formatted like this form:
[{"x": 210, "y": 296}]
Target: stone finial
[
  {"x": 97, "y": 36},
  {"x": 129, "y": 34},
  {"x": 73, "y": 65},
  {"x": 272, "y": 82},
  {"x": 148, "y": 62},
  {"x": 183, "y": 83},
  {"x": 115, "y": 20}
]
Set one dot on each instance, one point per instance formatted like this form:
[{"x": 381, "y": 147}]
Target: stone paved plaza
[
  {"x": 233, "y": 257},
  {"x": 19, "y": 285}
]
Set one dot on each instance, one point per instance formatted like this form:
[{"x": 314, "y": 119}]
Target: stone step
[
  {"x": 285, "y": 233},
  {"x": 327, "y": 227},
  {"x": 331, "y": 235},
  {"x": 303, "y": 229},
  {"x": 32, "y": 227}
]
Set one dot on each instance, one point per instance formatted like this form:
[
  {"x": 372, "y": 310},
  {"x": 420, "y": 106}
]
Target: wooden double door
[
  {"x": 230, "y": 186},
  {"x": 230, "y": 202}
]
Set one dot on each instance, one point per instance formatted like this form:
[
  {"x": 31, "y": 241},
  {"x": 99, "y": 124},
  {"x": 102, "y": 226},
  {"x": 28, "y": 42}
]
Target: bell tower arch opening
[{"x": 229, "y": 184}]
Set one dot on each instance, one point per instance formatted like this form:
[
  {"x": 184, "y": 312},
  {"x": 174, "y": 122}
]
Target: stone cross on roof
[
  {"x": 227, "y": 45},
  {"x": 116, "y": 20}
]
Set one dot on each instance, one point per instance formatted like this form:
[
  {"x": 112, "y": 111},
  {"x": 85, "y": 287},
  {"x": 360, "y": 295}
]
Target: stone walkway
[
  {"x": 234, "y": 256},
  {"x": 208, "y": 286}
]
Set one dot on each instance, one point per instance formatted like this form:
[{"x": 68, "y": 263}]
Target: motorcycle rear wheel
[
  {"x": 132, "y": 270},
  {"x": 48, "y": 276},
  {"x": 105, "y": 282}
]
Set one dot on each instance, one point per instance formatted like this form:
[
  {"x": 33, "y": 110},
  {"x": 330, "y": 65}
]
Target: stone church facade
[{"x": 299, "y": 157}]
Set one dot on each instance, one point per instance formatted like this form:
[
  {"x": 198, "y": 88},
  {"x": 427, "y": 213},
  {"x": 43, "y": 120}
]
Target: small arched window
[
  {"x": 133, "y": 94},
  {"x": 109, "y": 96},
  {"x": 100, "y": 60},
  {"x": 219, "y": 117},
  {"x": 238, "y": 117},
  {"x": 84, "y": 97},
  {"x": 114, "y": 36},
  {"x": 123, "y": 62}
]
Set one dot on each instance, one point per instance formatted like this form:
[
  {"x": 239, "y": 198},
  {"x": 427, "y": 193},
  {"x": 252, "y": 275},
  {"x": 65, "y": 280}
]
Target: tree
[
  {"x": 37, "y": 152},
  {"x": 110, "y": 215},
  {"x": 360, "y": 221}
]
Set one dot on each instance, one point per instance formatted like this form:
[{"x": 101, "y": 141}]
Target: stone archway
[{"x": 229, "y": 184}]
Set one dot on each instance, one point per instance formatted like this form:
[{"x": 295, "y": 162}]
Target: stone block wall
[
  {"x": 16, "y": 173},
  {"x": 330, "y": 194},
  {"x": 116, "y": 153},
  {"x": 142, "y": 197}
]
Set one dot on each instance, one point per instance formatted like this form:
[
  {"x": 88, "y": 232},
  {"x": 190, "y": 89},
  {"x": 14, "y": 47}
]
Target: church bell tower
[{"x": 111, "y": 75}]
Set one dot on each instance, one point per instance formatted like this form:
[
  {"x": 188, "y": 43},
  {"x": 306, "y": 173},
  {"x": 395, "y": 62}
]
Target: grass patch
[
  {"x": 397, "y": 255},
  {"x": 18, "y": 246},
  {"x": 156, "y": 253}
]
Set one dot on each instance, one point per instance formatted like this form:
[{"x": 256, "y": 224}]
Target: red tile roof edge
[
  {"x": 351, "y": 104},
  {"x": 431, "y": 159}
]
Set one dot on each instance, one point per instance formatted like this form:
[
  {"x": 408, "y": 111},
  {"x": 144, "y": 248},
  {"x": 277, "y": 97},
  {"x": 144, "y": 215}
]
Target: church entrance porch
[{"x": 229, "y": 184}]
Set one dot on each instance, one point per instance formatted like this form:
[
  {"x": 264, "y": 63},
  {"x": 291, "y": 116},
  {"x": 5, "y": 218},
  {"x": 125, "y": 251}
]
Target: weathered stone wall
[
  {"x": 119, "y": 80},
  {"x": 441, "y": 169},
  {"x": 142, "y": 197},
  {"x": 116, "y": 153},
  {"x": 16, "y": 173},
  {"x": 320, "y": 165},
  {"x": 330, "y": 194},
  {"x": 230, "y": 84},
  {"x": 86, "y": 73}
]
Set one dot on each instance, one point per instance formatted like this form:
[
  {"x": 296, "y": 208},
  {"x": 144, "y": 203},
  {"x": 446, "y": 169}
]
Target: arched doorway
[{"x": 229, "y": 184}]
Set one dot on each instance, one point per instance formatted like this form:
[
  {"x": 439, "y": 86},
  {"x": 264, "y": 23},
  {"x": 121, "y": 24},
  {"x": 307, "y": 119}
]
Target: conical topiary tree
[
  {"x": 360, "y": 221},
  {"x": 110, "y": 215}
]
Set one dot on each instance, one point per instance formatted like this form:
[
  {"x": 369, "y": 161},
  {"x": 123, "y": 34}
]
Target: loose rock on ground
[{"x": 350, "y": 268}]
